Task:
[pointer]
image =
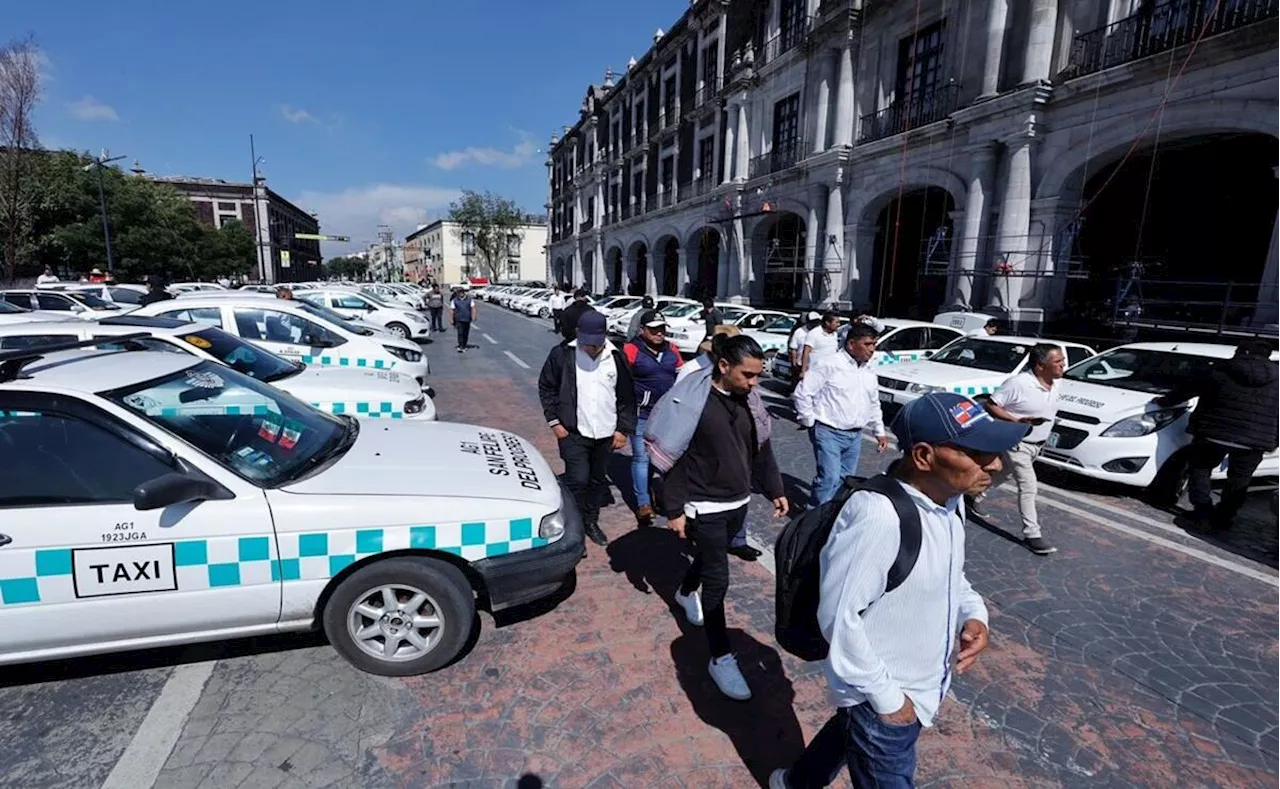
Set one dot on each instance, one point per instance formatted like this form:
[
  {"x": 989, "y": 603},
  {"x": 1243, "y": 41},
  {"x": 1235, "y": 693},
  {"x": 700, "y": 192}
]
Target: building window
[
  {"x": 791, "y": 22},
  {"x": 637, "y": 185},
  {"x": 707, "y": 157},
  {"x": 513, "y": 245},
  {"x": 669, "y": 99},
  {"x": 226, "y": 206},
  {"x": 223, "y": 219},
  {"x": 513, "y": 268},
  {"x": 468, "y": 243},
  {"x": 710, "y": 64},
  {"x": 786, "y": 124},
  {"x": 638, "y": 122},
  {"x": 920, "y": 64}
]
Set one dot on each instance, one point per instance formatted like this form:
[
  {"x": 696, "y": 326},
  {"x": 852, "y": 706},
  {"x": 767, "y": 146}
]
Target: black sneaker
[
  {"x": 594, "y": 533},
  {"x": 974, "y": 509},
  {"x": 745, "y": 552},
  {"x": 1039, "y": 546}
]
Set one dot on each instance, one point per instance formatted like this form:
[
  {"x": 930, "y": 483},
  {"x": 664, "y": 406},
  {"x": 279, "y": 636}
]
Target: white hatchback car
[
  {"x": 1109, "y": 428},
  {"x": 373, "y": 394},
  {"x": 299, "y": 331},
  {"x": 166, "y": 500},
  {"x": 86, "y": 306},
  {"x": 402, "y": 322}
]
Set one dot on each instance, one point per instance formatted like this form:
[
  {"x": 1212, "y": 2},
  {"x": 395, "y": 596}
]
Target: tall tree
[
  {"x": 19, "y": 94},
  {"x": 346, "y": 267},
  {"x": 486, "y": 225}
]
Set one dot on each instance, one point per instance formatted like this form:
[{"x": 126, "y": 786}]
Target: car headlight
[
  {"x": 404, "y": 353},
  {"x": 923, "y": 388},
  {"x": 415, "y": 317},
  {"x": 415, "y": 405},
  {"x": 1143, "y": 424},
  {"x": 552, "y": 526}
]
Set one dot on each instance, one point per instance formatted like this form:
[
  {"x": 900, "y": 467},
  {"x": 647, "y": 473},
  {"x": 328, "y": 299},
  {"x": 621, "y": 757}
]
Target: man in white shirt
[
  {"x": 1031, "y": 398},
  {"x": 47, "y": 278},
  {"x": 820, "y": 342},
  {"x": 836, "y": 400},
  {"x": 795, "y": 344},
  {"x": 988, "y": 329},
  {"x": 892, "y": 653},
  {"x": 558, "y": 302}
]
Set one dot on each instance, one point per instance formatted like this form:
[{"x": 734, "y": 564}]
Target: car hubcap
[
  {"x": 395, "y": 623},
  {"x": 399, "y": 332}
]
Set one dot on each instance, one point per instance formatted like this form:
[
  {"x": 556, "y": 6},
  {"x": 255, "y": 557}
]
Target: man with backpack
[{"x": 893, "y": 602}]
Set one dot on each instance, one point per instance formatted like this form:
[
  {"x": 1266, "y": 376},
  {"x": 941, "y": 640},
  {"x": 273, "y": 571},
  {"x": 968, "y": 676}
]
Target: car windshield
[
  {"x": 126, "y": 296},
  {"x": 681, "y": 310},
  {"x": 332, "y": 317},
  {"x": 998, "y": 357},
  {"x": 782, "y": 324},
  {"x": 377, "y": 299},
  {"x": 261, "y": 433},
  {"x": 1140, "y": 370},
  {"x": 242, "y": 356},
  {"x": 89, "y": 300}
]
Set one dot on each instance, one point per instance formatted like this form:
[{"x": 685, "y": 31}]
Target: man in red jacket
[{"x": 654, "y": 365}]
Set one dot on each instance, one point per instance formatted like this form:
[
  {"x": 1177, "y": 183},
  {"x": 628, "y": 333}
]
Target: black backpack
[{"x": 797, "y": 555}]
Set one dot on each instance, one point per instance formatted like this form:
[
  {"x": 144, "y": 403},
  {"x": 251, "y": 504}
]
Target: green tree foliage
[
  {"x": 346, "y": 267},
  {"x": 485, "y": 222}
]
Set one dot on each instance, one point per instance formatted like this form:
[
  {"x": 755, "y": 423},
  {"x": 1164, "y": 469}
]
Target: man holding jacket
[
  {"x": 587, "y": 397},
  {"x": 1235, "y": 419},
  {"x": 654, "y": 365}
]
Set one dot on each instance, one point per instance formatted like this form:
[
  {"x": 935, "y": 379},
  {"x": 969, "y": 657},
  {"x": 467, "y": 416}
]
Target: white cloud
[
  {"x": 297, "y": 115},
  {"x": 523, "y": 153},
  {"x": 90, "y": 109},
  {"x": 357, "y": 212}
]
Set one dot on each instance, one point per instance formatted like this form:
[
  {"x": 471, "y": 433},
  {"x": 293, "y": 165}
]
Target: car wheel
[
  {"x": 1171, "y": 481},
  {"x": 545, "y": 312},
  {"x": 768, "y": 361},
  {"x": 400, "y": 617},
  {"x": 398, "y": 330}
]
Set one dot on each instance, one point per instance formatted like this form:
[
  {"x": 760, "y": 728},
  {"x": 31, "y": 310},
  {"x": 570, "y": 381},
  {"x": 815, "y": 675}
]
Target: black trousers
[
  {"x": 464, "y": 333},
  {"x": 555, "y": 319},
  {"x": 710, "y": 535},
  {"x": 586, "y": 469},
  {"x": 437, "y": 318},
  {"x": 1205, "y": 457}
]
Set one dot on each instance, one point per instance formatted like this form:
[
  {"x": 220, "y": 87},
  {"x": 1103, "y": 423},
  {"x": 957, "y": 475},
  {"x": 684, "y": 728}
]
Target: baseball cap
[
  {"x": 652, "y": 319},
  {"x": 813, "y": 316},
  {"x": 591, "y": 328},
  {"x": 948, "y": 418}
]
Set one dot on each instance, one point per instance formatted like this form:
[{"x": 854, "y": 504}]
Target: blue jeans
[
  {"x": 878, "y": 755},
  {"x": 836, "y": 453},
  {"x": 640, "y": 465}
]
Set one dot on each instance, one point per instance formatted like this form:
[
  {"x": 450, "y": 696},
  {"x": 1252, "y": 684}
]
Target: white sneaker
[
  {"x": 724, "y": 670},
  {"x": 778, "y": 779},
  {"x": 692, "y": 605}
]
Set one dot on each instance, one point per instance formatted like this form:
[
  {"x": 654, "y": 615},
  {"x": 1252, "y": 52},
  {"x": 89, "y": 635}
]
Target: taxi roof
[
  {"x": 97, "y": 371},
  {"x": 124, "y": 324}
]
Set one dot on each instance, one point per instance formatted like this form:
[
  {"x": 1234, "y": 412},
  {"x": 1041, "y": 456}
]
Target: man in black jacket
[
  {"x": 587, "y": 397},
  {"x": 1234, "y": 419},
  {"x": 576, "y": 309}
]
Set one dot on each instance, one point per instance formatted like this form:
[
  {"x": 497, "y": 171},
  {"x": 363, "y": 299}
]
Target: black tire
[
  {"x": 769, "y": 356},
  {"x": 399, "y": 330},
  {"x": 1170, "y": 482},
  {"x": 446, "y": 587}
]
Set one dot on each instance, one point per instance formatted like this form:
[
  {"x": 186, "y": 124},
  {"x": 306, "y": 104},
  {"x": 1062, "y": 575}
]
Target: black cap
[{"x": 652, "y": 319}]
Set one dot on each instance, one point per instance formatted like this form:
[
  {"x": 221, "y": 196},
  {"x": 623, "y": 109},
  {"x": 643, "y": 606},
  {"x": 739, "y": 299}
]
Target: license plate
[
  {"x": 1052, "y": 440},
  {"x": 885, "y": 397}
]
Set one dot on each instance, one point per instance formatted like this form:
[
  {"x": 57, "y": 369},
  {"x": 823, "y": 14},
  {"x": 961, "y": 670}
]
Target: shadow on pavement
[
  {"x": 536, "y": 608},
  {"x": 652, "y": 559}
]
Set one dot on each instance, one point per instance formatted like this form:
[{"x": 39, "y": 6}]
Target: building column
[
  {"x": 833, "y": 248},
  {"x": 723, "y": 269},
  {"x": 973, "y": 230},
  {"x": 575, "y": 277},
  {"x": 682, "y": 270},
  {"x": 1268, "y": 310},
  {"x": 599, "y": 281},
  {"x": 844, "y": 98},
  {"x": 1048, "y": 255},
  {"x": 730, "y": 144},
  {"x": 997, "y": 19},
  {"x": 826, "y": 75},
  {"x": 857, "y": 268},
  {"x": 1014, "y": 226},
  {"x": 743, "y": 143},
  {"x": 650, "y": 273},
  {"x": 815, "y": 222},
  {"x": 1039, "y": 58}
]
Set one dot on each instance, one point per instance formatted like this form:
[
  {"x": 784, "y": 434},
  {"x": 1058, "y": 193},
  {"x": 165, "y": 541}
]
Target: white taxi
[
  {"x": 372, "y": 394},
  {"x": 1109, "y": 428},
  {"x": 686, "y": 328},
  {"x": 399, "y": 320},
  {"x": 901, "y": 340},
  {"x": 299, "y": 331},
  {"x": 166, "y": 500},
  {"x": 969, "y": 366},
  {"x": 619, "y": 323}
]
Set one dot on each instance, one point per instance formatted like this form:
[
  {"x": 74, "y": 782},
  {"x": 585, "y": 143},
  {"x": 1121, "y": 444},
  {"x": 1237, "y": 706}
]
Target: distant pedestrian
[
  {"x": 588, "y": 400},
  {"x": 155, "y": 292},
  {"x": 47, "y": 278},
  {"x": 991, "y": 327},
  {"x": 655, "y": 363},
  {"x": 558, "y": 303},
  {"x": 715, "y": 441},
  {"x": 1236, "y": 420},
  {"x": 892, "y": 653},
  {"x": 1030, "y": 397},
  {"x": 795, "y": 344},
  {"x": 96, "y": 277},
  {"x": 462, "y": 313},
  {"x": 820, "y": 342},
  {"x": 711, "y": 317},
  {"x": 633, "y": 328},
  {"x": 837, "y": 400},
  {"x": 285, "y": 293},
  {"x": 435, "y": 308},
  {"x": 572, "y": 312}
]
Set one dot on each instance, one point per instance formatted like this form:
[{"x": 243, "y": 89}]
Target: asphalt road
[{"x": 1139, "y": 655}]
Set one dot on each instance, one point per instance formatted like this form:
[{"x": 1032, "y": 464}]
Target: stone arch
[
  {"x": 878, "y": 190},
  {"x": 1071, "y": 165},
  {"x": 703, "y": 259},
  {"x": 558, "y": 272},
  {"x": 667, "y": 251},
  {"x": 778, "y": 250},
  {"x": 639, "y": 267}
]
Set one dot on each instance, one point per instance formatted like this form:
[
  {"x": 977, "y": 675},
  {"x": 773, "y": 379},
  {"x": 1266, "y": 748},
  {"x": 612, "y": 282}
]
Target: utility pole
[
  {"x": 259, "y": 221},
  {"x": 99, "y": 163}
]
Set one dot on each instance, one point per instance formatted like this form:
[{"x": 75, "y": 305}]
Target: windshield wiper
[
  {"x": 335, "y": 448},
  {"x": 288, "y": 372}
]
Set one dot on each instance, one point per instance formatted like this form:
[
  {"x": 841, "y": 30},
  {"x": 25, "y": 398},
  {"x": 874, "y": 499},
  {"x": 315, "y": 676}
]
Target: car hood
[
  {"x": 322, "y": 384},
  {"x": 949, "y": 376},
  {"x": 767, "y": 340},
  {"x": 1107, "y": 403},
  {"x": 446, "y": 459}
]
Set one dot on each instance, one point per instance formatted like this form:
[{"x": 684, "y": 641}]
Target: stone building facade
[{"x": 904, "y": 157}]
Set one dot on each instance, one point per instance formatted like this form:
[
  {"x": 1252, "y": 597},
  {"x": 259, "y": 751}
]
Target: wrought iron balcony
[
  {"x": 1159, "y": 30},
  {"x": 702, "y": 186},
  {"x": 650, "y": 202},
  {"x": 785, "y": 40},
  {"x": 707, "y": 92},
  {"x": 784, "y": 154},
  {"x": 667, "y": 197},
  {"x": 908, "y": 113}
]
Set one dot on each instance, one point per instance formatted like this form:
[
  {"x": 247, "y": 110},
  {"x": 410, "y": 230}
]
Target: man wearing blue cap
[{"x": 890, "y": 663}]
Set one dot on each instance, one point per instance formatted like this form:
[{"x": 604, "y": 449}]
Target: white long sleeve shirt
[
  {"x": 840, "y": 393},
  {"x": 887, "y": 646},
  {"x": 597, "y": 381}
]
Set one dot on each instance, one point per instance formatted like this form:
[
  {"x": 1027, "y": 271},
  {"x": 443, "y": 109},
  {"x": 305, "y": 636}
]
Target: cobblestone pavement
[{"x": 1136, "y": 656}]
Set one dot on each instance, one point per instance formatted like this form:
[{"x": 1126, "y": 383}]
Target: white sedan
[{"x": 400, "y": 321}]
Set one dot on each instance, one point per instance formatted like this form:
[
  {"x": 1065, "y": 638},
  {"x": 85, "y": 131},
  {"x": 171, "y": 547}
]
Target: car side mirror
[
  {"x": 176, "y": 487},
  {"x": 927, "y": 354}
]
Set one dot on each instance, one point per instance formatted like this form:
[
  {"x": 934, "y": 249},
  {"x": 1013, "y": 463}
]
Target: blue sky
[{"x": 365, "y": 112}]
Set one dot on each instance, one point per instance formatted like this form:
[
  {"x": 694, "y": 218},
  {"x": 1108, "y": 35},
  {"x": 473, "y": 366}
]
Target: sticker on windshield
[
  {"x": 142, "y": 402},
  {"x": 268, "y": 431},
  {"x": 292, "y": 432},
  {"x": 198, "y": 341},
  {"x": 202, "y": 379}
]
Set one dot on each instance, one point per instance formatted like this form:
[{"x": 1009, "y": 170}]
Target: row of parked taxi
[{"x": 229, "y": 463}]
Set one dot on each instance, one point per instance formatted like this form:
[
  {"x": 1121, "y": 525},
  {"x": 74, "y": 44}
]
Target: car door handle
[{"x": 5, "y": 540}]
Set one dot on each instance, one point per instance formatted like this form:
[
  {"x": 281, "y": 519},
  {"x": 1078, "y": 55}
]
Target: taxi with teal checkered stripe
[
  {"x": 969, "y": 366},
  {"x": 164, "y": 499}
]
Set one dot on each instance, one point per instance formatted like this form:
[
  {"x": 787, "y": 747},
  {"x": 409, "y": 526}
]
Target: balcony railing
[
  {"x": 650, "y": 202},
  {"x": 586, "y": 225},
  {"x": 702, "y": 186},
  {"x": 784, "y": 154},
  {"x": 911, "y": 112},
  {"x": 706, "y": 92},
  {"x": 667, "y": 197},
  {"x": 1159, "y": 30},
  {"x": 785, "y": 40}
]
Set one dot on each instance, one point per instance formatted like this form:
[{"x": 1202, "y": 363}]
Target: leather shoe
[
  {"x": 745, "y": 552},
  {"x": 645, "y": 515},
  {"x": 594, "y": 533}
]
